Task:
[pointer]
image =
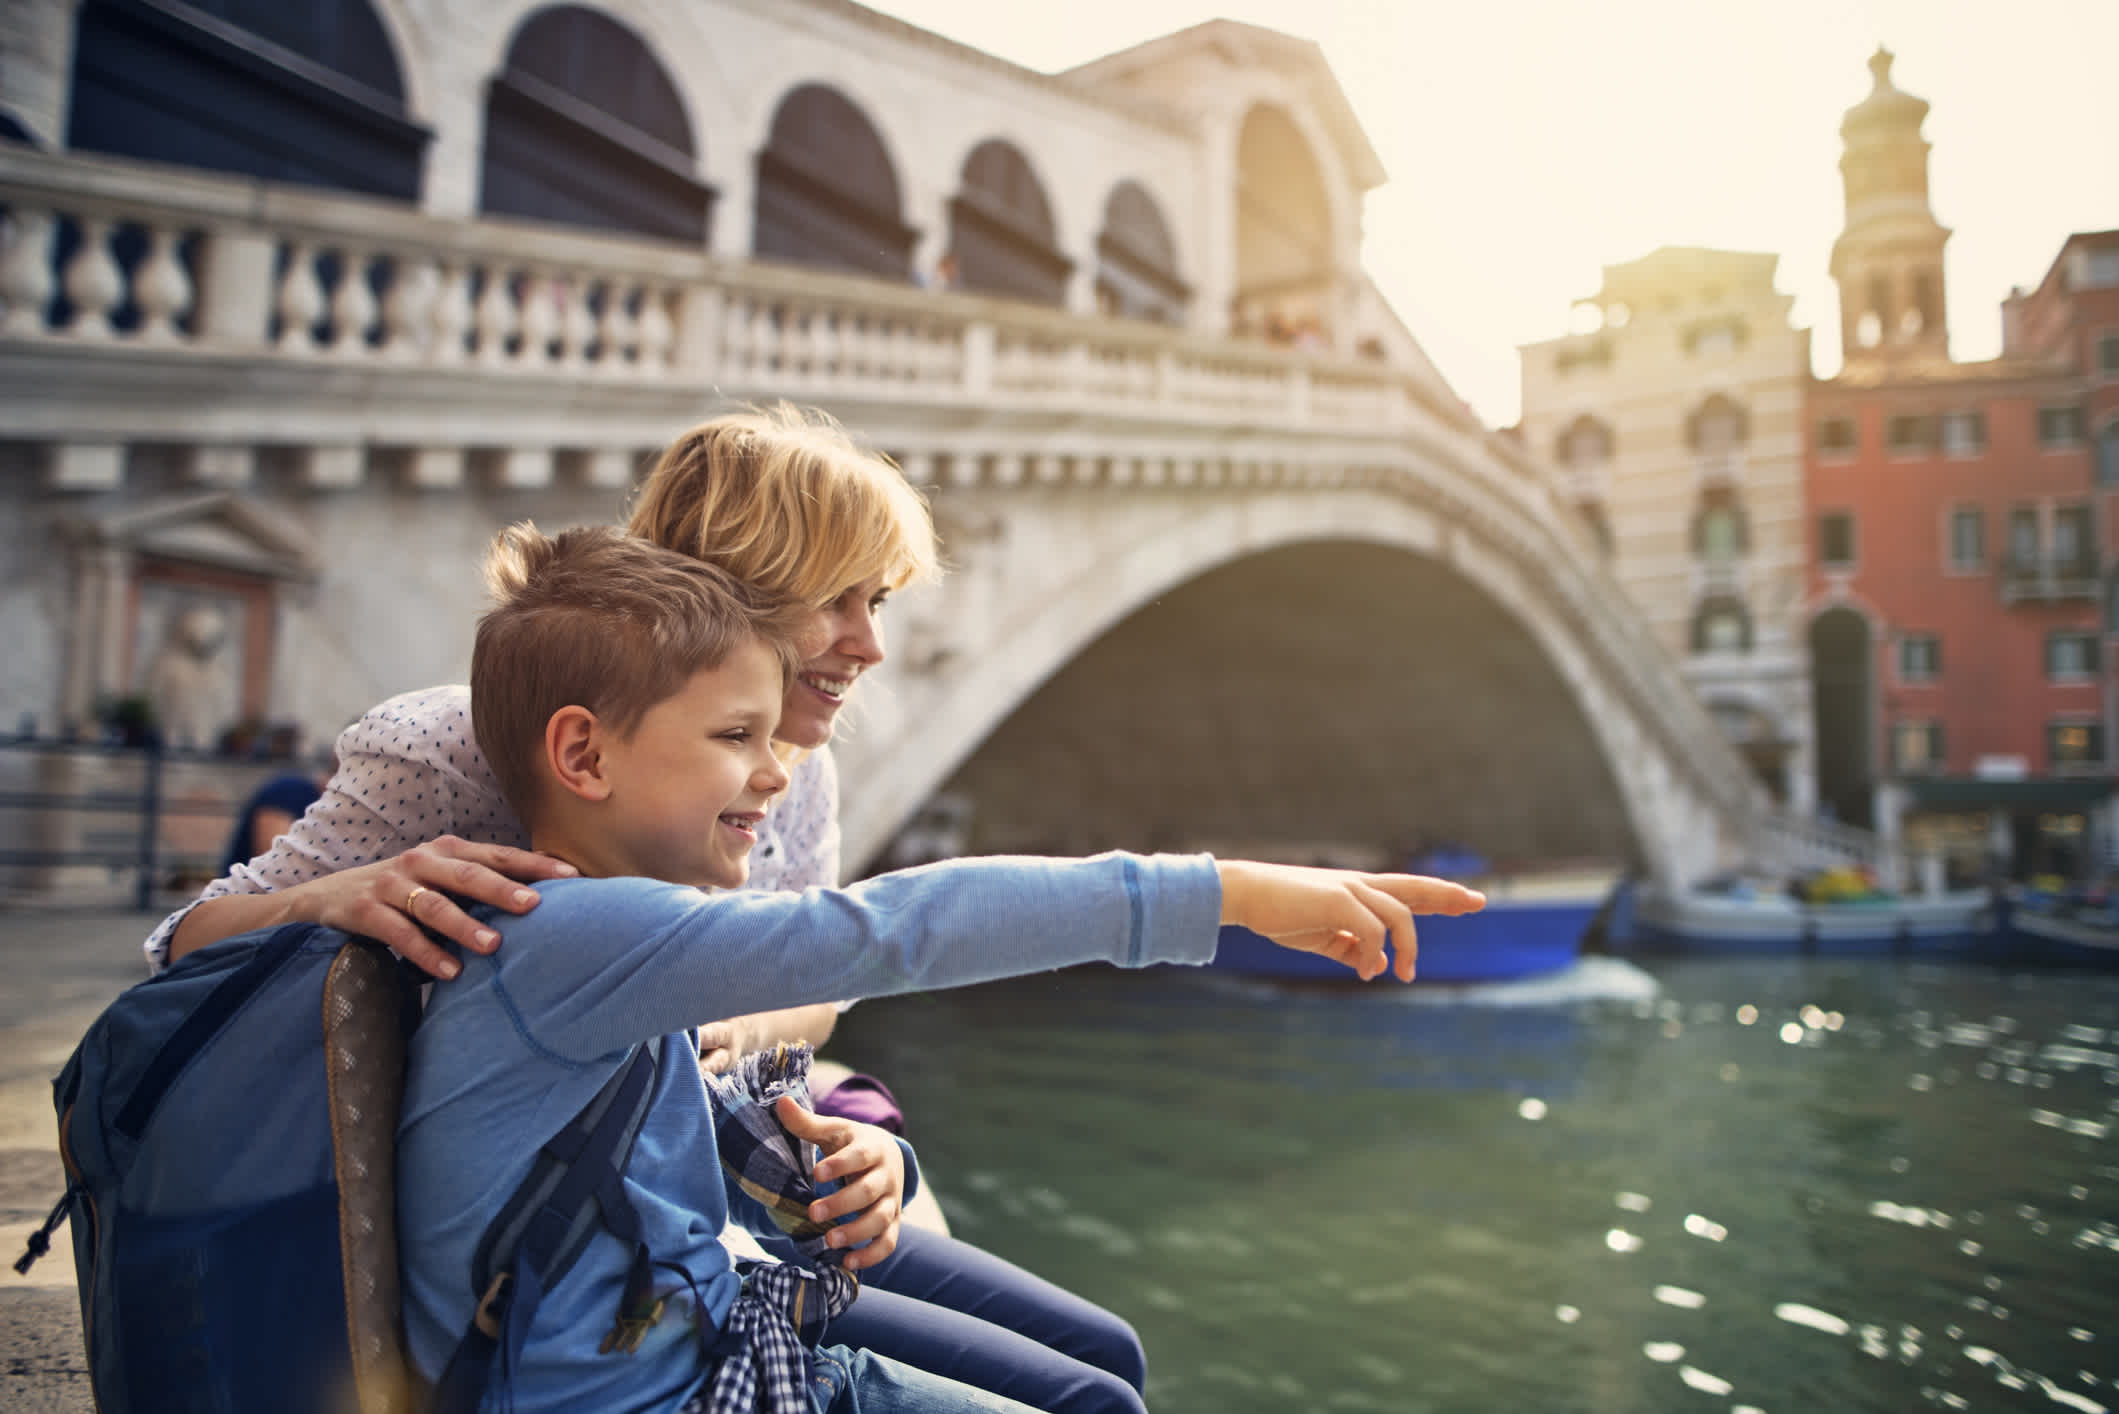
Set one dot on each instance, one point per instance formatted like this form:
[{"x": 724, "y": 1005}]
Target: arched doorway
[
  {"x": 1295, "y": 702},
  {"x": 1136, "y": 261},
  {"x": 585, "y": 127},
  {"x": 1842, "y": 665},
  {"x": 1286, "y": 275},
  {"x": 827, "y": 191},
  {"x": 303, "y": 91},
  {"x": 1001, "y": 229}
]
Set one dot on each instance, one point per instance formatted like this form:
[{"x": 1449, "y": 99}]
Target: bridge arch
[{"x": 1015, "y": 636}]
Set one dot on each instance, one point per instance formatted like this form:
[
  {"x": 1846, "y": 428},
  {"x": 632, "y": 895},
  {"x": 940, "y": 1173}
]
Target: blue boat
[
  {"x": 1530, "y": 926},
  {"x": 2034, "y": 929}
]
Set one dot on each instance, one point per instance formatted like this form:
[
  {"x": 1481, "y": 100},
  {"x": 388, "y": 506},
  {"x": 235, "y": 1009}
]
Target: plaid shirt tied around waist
[{"x": 784, "y": 1309}]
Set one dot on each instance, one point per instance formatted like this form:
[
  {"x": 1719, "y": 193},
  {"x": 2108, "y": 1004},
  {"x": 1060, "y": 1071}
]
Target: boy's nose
[{"x": 772, "y": 776}]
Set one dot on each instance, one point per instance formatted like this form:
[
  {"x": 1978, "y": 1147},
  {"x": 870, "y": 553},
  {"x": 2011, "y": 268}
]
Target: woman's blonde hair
[{"x": 783, "y": 499}]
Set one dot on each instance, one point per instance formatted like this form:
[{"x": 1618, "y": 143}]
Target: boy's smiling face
[{"x": 691, "y": 782}]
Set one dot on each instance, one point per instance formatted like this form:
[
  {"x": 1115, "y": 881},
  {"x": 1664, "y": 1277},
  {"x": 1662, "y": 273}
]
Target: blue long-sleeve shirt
[{"x": 522, "y": 1040}]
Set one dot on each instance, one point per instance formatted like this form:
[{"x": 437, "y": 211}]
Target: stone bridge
[{"x": 1203, "y": 591}]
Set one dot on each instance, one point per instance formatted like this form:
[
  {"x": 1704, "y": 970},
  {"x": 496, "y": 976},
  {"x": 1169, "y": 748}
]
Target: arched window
[
  {"x": 1586, "y": 443},
  {"x": 827, "y": 192},
  {"x": 304, "y": 91},
  {"x": 584, "y": 127},
  {"x": 1721, "y": 532},
  {"x": 1718, "y": 426},
  {"x": 1001, "y": 230},
  {"x": 1721, "y": 624},
  {"x": 1136, "y": 270}
]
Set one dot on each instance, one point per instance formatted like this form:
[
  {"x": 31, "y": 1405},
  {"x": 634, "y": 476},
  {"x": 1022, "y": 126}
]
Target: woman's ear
[{"x": 573, "y": 752}]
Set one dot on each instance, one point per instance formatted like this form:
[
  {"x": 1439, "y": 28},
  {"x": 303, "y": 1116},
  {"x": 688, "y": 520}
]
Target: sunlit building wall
[{"x": 1671, "y": 418}]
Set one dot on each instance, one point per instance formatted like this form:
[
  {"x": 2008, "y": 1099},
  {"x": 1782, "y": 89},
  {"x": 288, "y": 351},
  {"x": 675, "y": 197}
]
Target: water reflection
[{"x": 1777, "y": 1185}]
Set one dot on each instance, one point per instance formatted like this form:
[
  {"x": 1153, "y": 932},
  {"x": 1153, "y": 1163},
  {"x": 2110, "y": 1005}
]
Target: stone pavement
[{"x": 58, "y": 969}]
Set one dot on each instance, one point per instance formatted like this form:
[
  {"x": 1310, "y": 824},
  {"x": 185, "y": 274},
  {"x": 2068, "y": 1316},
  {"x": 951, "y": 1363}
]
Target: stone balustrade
[{"x": 104, "y": 252}]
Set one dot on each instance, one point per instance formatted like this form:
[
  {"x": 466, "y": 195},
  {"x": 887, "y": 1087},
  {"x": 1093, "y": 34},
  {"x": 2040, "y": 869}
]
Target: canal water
[{"x": 1716, "y": 1185}]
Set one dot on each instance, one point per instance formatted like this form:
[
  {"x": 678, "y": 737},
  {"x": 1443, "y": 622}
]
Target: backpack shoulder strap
[
  {"x": 371, "y": 1004},
  {"x": 541, "y": 1231}
]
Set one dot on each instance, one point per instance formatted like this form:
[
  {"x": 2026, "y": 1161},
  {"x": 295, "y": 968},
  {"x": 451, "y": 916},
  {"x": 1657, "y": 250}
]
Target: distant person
[
  {"x": 944, "y": 274},
  {"x": 626, "y": 697},
  {"x": 271, "y": 812}
]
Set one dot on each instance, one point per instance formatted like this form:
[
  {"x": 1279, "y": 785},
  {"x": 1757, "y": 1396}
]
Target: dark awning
[{"x": 2031, "y": 793}]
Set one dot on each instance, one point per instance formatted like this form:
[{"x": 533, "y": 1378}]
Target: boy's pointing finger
[{"x": 1425, "y": 895}]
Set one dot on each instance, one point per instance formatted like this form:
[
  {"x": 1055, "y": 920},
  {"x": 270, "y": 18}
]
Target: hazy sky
[{"x": 1530, "y": 142}]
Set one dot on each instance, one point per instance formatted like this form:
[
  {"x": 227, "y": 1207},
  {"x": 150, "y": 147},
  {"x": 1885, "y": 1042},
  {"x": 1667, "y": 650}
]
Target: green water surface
[{"x": 1732, "y": 1185}]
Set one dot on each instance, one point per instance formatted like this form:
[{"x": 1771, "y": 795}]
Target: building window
[
  {"x": 2074, "y": 743},
  {"x": 1836, "y": 437},
  {"x": 1919, "y": 657},
  {"x": 2070, "y": 655},
  {"x": 1916, "y": 747},
  {"x": 1835, "y": 539},
  {"x": 2108, "y": 355},
  {"x": 2074, "y": 540},
  {"x": 2100, "y": 270},
  {"x": 1594, "y": 354},
  {"x": 1964, "y": 434},
  {"x": 1721, "y": 337},
  {"x": 2059, "y": 427},
  {"x": 2108, "y": 454},
  {"x": 1722, "y": 625},
  {"x": 2024, "y": 540},
  {"x": 1968, "y": 538},
  {"x": 1586, "y": 443},
  {"x": 1910, "y": 435}
]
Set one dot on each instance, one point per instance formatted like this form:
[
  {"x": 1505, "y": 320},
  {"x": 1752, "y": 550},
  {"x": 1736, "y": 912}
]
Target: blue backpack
[{"x": 228, "y": 1129}]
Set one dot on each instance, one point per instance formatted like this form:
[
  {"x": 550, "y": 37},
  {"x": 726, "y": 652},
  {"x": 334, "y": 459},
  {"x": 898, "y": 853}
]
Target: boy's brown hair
[{"x": 596, "y": 618}]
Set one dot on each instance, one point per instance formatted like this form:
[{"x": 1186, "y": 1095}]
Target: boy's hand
[
  {"x": 870, "y": 1168},
  {"x": 1338, "y": 913}
]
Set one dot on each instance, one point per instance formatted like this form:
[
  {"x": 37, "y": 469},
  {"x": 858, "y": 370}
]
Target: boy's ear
[{"x": 573, "y": 753}]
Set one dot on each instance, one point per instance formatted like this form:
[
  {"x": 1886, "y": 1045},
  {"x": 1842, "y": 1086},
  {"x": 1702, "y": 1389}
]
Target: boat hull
[
  {"x": 1950, "y": 925},
  {"x": 2023, "y": 938},
  {"x": 1507, "y": 940}
]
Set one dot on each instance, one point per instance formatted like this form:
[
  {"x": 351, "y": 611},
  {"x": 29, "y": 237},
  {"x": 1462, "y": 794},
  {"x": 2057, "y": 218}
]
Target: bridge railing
[
  {"x": 1792, "y": 844},
  {"x": 124, "y": 255}
]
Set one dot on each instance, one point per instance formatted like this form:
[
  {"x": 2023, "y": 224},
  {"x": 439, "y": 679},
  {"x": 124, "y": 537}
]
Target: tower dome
[{"x": 1888, "y": 258}]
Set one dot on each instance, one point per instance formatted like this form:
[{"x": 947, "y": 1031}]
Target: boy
[{"x": 625, "y": 697}]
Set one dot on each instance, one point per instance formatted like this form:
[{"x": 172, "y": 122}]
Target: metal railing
[{"x": 73, "y": 804}]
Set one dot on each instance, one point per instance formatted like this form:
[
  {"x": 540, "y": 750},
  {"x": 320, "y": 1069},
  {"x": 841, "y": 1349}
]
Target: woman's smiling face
[{"x": 843, "y": 641}]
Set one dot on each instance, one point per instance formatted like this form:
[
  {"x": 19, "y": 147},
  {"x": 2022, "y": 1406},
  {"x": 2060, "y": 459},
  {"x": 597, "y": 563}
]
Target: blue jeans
[
  {"x": 846, "y": 1381},
  {"x": 955, "y": 1310}
]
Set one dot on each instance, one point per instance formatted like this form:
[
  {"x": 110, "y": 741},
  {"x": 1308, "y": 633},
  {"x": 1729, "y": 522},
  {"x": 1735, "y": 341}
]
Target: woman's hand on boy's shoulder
[
  {"x": 403, "y": 900},
  {"x": 869, "y": 1164},
  {"x": 1338, "y": 913}
]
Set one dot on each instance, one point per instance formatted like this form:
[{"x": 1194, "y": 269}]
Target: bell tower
[{"x": 1888, "y": 258}]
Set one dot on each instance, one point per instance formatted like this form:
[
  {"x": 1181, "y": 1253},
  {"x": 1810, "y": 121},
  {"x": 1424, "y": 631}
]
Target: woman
[{"x": 413, "y": 815}]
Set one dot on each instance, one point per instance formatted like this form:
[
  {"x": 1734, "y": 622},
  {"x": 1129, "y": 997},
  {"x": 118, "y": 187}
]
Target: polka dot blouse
[{"x": 410, "y": 771}]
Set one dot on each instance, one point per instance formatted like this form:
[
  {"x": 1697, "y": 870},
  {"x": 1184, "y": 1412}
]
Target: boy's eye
[{"x": 739, "y": 735}]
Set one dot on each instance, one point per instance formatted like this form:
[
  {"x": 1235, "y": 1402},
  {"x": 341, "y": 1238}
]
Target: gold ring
[{"x": 413, "y": 898}]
